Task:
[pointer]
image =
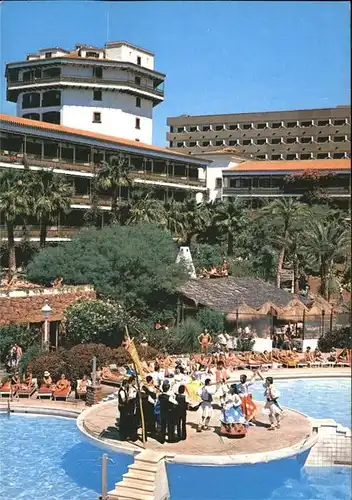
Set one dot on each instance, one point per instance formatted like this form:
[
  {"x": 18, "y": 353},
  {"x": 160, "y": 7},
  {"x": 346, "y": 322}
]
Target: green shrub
[
  {"x": 206, "y": 256},
  {"x": 188, "y": 334},
  {"x": 33, "y": 352},
  {"x": 339, "y": 339},
  {"x": 165, "y": 341},
  {"x": 13, "y": 333},
  {"x": 245, "y": 345},
  {"x": 211, "y": 320}
]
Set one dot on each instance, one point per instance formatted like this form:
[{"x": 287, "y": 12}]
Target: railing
[
  {"x": 37, "y": 161},
  {"x": 85, "y": 79},
  {"x": 34, "y": 231},
  {"x": 250, "y": 191}
]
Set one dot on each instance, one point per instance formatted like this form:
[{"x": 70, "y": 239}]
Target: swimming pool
[
  {"x": 318, "y": 398},
  {"x": 46, "y": 458}
]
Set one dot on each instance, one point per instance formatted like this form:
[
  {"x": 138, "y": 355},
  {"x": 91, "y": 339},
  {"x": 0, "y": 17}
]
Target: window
[
  {"x": 219, "y": 143},
  {"x": 92, "y": 54},
  {"x": 260, "y": 142},
  {"x": 322, "y": 156},
  {"x": 323, "y": 123},
  {"x": 98, "y": 72},
  {"x": 171, "y": 129},
  {"x": 138, "y": 102},
  {"x": 219, "y": 127},
  {"x": 138, "y": 123},
  {"x": 305, "y": 156},
  {"x": 218, "y": 183},
  {"x": 260, "y": 126},
  {"x": 193, "y": 129},
  {"x": 323, "y": 139},
  {"x": 276, "y": 141},
  {"x": 206, "y": 143},
  {"x": 51, "y": 98},
  {"x": 291, "y": 157},
  {"x": 339, "y": 122},
  {"x": 30, "y": 101},
  {"x": 97, "y": 95},
  {"x": 305, "y": 140},
  {"x": 276, "y": 157},
  {"x": 337, "y": 156},
  {"x": 192, "y": 144},
  {"x": 139, "y": 60},
  {"x": 233, "y": 127},
  {"x": 137, "y": 80},
  {"x": 291, "y": 140},
  {"x": 291, "y": 124},
  {"x": 180, "y": 129},
  {"x": 246, "y": 142},
  {"x": 232, "y": 143},
  {"x": 137, "y": 140},
  {"x": 179, "y": 144},
  {"x": 51, "y": 117},
  {"x": 339, "y": 138},
  {"x": 96, "y": 117},
  {"x": 306, "y": 124},
  {"x": 261, "y": 157},
  {"x": 276, "y": 125},
  {"x": 206, "y": 128},
  {"x": 32, "y": 116},
  {"x": 48, "y": 55},
  {"x": 246, "y": 126}
]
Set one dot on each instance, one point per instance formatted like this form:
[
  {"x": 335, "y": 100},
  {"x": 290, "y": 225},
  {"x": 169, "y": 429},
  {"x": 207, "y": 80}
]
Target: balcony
[
  {"x": 251, "y": 191},
  {"x": 62, "y": 79},
  {"x": 62, "y": 164},
  {"x": 33, "y": 231}
]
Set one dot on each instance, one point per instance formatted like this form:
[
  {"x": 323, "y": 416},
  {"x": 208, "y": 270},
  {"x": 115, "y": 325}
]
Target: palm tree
[
  {"x": 229, "y": 219},
  {"x": 284, "y": 213},
  {"x": 325, "y": 243},
  {"x": 51, "y": 196},
  {"x": 14, "y": 204},
  {"x": 174, "y": 221},
  {"x": 194, "y": 218},
  {"x": 146, "y": 209},
  {"x": 112, "y": 175}
]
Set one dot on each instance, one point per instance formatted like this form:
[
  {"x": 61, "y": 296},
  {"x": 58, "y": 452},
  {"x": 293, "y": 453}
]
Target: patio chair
[
  {"x": 62, "y": 394},
  {"x": 27, "y": 393},
  {"x": 6, "y": 390},
  {"x": 45, "y": 392}
]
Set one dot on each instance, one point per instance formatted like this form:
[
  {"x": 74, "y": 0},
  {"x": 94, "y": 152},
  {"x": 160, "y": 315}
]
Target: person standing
[
  {"x": 248, "y": 405},
  {"x": 221, "y": 377},
  {"x": 167, "y": 403},
  {"x": 132, "y": 409},
  {"x": 205, "y": 341},
  {"x": 181, "y": 413},
  {"x": 148, "y": 403},
  {"x": 272, "y": 395},
  {"x": 206, "y": 407},
  {"x": 122, "y": 397}
]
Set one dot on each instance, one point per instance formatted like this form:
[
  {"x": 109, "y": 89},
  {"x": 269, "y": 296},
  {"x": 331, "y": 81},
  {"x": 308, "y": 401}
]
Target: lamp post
[{"x": 46, "y": 311}]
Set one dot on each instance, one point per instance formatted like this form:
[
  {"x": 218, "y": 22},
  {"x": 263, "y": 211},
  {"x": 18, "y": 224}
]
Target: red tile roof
[
  {"x": 91, "y": 135},
  {"x": 298, "y": 165}
]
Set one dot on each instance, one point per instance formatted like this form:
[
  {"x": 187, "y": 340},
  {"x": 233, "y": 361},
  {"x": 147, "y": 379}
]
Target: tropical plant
[
  {"x": 188, "y": 334},
  {"x": 338, "y": 339},
  {"x": 206, "y": 256},
  {"x": 14, "y": 204},
  {"x": 326, "y": 243},
  {"x": 146, "y": 209},
  {"x": 111, "y": 176},
  {"x": 33, "y": 352},
  {"x": 283, "y": 213},
  {"x": 50, "y": 196},
  {"x": 193, "y": 217},
  {"x": 228, "y": 217},
  {"x": 213, "y": 321},
  {"x": 17, "y": 334}
]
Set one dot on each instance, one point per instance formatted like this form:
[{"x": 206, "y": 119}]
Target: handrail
[{"x": 86, "y": 79}]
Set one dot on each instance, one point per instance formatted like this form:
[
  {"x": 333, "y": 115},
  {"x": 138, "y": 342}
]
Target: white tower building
[{"x": 110, "y": 90}]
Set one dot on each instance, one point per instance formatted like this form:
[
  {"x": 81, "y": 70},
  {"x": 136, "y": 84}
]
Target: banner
[{"x": 131, "y": 349}]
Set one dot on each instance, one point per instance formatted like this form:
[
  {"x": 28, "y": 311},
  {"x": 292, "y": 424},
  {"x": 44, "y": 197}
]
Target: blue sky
[{"x": 219, "y": 57}]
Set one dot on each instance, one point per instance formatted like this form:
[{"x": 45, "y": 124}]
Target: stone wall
[{"x": 24, "y": 306}]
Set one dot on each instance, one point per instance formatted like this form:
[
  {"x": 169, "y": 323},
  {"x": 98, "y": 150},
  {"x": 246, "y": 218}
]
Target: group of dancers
[{"x": 165, "y": 404}]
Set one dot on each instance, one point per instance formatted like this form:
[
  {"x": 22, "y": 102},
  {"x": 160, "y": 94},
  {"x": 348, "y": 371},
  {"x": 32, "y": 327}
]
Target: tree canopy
[{"x": 133, "y": 265}]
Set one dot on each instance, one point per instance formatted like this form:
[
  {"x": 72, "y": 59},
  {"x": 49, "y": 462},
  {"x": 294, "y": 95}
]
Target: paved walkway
[{"x": 100, "y": 422}]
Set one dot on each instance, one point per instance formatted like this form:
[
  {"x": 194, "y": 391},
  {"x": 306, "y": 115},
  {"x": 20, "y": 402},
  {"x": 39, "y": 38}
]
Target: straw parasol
[
  {"x": 293, "y": 311},
  {"x": 243, "y": 311},
  {"x": 316, "y": 309},
  {"x": 269, "y": 308}
]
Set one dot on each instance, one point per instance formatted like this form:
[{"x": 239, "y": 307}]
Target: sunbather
[
  {"x": 83, "y": 384},
  {"x": 15, "y": 381},
  {"x": 47, "y": 381},
  {"x": 62, "y": 384}
]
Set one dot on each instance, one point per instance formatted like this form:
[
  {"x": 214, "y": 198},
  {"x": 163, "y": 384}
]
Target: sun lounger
[
  {"x": 80, "y": 394},
  {"x": 45, "y": 392},
  {"x": 27, "y": 393},
  {"x": 62, "y": 394},
  {"x": 6, "y": 390}
]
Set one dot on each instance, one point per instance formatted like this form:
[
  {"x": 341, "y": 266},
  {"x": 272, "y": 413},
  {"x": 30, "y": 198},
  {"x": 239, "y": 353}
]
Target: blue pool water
[
  {"x": 45, "y": 458},
  {"x": 318, "y": 398}
]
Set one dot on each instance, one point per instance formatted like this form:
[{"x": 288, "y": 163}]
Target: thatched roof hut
[
  {"x": 316, "y": 309},
  {"x": 293, "y": 311},
  {"x": 270, "y": 309},
  {"x": 226, "y": 294},
  {"x": 243, "y": 311}
]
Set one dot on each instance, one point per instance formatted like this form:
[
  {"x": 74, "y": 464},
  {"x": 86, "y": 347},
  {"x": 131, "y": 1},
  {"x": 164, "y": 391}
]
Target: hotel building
[{"x": 278, "y": 135}]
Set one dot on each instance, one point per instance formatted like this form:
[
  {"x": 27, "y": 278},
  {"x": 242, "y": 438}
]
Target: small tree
[
  {"x": 339, "y": 339},
  {"x": 211, "y": 320},
  {"x": 188, "y": 334}
]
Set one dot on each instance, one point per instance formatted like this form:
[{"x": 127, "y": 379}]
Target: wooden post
[
  {"x": 236, "y": 320},
  {"x": 331, "y": 317},
  {"x": 104, "y": 477},
  {"x": 304, "y": 324}
]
